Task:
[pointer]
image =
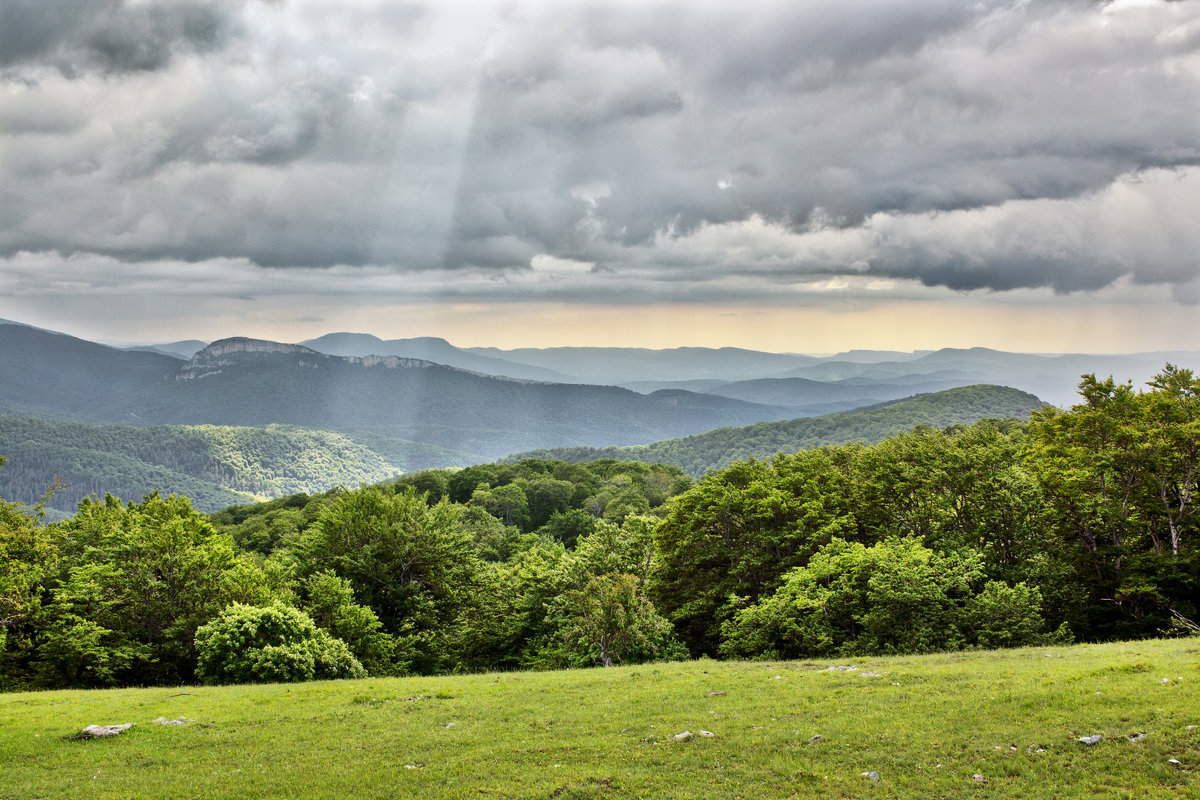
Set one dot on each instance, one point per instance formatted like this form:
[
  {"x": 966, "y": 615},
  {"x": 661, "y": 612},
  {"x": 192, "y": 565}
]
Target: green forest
[{"x": 1075, "y": 525}]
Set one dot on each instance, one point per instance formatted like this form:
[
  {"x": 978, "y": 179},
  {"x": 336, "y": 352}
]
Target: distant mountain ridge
[
  {"x": 247, "y": 382},
  {"x": 1053, "y": 377},
  {"x": 621, "y": 365},
  {"x": 433, "y": 349}
]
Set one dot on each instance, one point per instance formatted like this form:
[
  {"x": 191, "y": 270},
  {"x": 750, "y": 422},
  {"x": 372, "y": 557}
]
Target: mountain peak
[{"x": 243, "y": 344}]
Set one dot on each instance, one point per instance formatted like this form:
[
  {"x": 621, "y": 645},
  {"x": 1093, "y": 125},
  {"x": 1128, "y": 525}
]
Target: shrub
[{"x": 266, "y": 644}]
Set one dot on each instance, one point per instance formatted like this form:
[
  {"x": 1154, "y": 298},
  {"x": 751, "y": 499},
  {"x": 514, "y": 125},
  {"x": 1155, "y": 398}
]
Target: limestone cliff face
[
  {"x": 241, "y": 350},
  {"x": 391, "y": 362},
  {"x": 241, "y": 344}
]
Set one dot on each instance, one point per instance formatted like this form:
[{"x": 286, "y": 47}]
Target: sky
[{"x": 802, "y": 177}]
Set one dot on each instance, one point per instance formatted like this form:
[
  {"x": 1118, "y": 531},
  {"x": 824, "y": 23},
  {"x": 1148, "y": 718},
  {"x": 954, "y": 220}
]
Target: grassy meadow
[{"x": 925, "y": 724}]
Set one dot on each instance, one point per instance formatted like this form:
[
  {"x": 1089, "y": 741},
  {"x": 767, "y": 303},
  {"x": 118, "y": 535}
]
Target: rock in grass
[
  {"x": 706, "y": 733},
  {"x": 816, "y": 739},
  {"x": 165, "y": 721},
  {"x": 717, "y": 694},
  {"x": 1174, "y": 762},
  {"x": 978, "y": 778},
  {"x": 684, "y": 736},
  {"x": 98, "y": 731},
  {"x": 873, "y": 775},
  {"x": 1090, "y": 740},
  {"x": 1137, "y": 737}
]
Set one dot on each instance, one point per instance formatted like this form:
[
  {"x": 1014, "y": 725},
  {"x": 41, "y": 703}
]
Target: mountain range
[
  {"x": 406, "y": 404},
  {"x": 248, "y": 382},
  {"x": 809, "y": 385}
]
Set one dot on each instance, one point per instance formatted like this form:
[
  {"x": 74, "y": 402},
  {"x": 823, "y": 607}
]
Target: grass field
[{"x": 925, "y": 724}]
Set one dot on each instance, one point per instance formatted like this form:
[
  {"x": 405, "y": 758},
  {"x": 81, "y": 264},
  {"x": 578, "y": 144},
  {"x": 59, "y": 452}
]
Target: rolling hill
[{"x": 719, "y": 448}]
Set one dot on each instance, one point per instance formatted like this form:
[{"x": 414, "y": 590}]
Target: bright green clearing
[{"x": 926, "y": 724}]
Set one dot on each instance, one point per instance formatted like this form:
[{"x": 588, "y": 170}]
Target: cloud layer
[{"x": 684, "y": 151}]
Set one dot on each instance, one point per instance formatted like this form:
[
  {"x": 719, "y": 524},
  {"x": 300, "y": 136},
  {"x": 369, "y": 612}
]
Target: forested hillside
[
  {"x": 215, "y": 466},
  {"x": 1078, "y": 524},
  {"x": 720, "y": 448}
]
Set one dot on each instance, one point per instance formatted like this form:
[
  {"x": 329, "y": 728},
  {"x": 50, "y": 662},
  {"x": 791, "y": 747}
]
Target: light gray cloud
[{"x": 994, "y": 145}]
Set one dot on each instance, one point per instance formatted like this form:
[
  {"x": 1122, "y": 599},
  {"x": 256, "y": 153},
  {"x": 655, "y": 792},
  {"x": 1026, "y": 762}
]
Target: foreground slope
[
  {"x": 926, "y": 725},
  {"x": 720, "y": 448}
]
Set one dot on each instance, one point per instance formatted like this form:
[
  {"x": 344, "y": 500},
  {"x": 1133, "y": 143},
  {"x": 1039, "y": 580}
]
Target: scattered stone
[
  {"x": 98, "y": 731},
  {"x": 1174, "y": 762},
  {"x": 1191, "y": 727},
  {"x": 817, "y": 738},
  {"x": 978, "y": 778},
  {"x": 777, "y": 678},
  {"x": 450, "y": 724},
  {"x": 717, "y": 694},
  {"x": 1012, "y": 748},
  {"x": 1165, "y": 680},
  {"x": 869, "y": 674},
  {"x": 684, "y": 736},
  {"x": 410, "y": 766},
  {"x": 873, "y": 775},
  {"x": 165, "y": 721},
  {"x": 182, "y": 694},
  {"x": 839, "y": 668},
  {"x": 1137, "y": 737},
  {"x": 706, "y": 733},
  {"x": 1090, "y": 740}
]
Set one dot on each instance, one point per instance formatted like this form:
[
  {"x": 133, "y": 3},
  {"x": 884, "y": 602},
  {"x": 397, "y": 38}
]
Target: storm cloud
[{"x": 685, "y": 151}]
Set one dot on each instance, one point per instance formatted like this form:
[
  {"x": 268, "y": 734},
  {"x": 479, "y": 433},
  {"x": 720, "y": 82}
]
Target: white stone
[{"x": 96, "y": 731}]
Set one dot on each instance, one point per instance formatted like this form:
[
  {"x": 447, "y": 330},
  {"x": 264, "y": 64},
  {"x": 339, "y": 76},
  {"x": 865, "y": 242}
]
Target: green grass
[{"x": 925, "y": 724}]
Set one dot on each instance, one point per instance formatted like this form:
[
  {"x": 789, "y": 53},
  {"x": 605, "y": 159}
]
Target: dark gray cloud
[
  {"x": 110, "y": 36},
  {"x": 992, "y": 145}
]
